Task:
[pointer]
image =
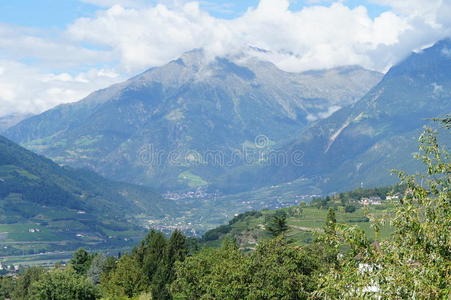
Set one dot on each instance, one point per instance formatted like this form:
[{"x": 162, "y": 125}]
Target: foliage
[
  {"x": 242, "y": 216},
  {"x": 6, "y": 287},
  {"x": 62, "y": 285},
  {"x": 276, "y": 270},
  {"x": 350, "y": 208},
  {"x": 416, "y": 262},
  {"x": 81, "y": 261},
  {"x": 350, "y": 198},
  {"x": 97, "y": 267},
  {"x": 277, "y": 224},
  {"x": 126, "y": 279},
  {"x": 22, "y": 286},
  {"x": 216, "y": 233},
  {"x": 150, "y": 267},
  {"x": 213, "y": 274}
]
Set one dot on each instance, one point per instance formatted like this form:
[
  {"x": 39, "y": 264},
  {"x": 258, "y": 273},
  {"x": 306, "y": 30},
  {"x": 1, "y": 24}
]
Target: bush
[{"x": 350, "y": 208}]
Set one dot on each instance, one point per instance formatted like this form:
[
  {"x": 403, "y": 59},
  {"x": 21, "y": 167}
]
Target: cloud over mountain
[{"x": 129, "y": 36}]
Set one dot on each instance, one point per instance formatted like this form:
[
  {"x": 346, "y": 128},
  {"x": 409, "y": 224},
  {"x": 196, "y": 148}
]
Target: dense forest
[{"x": 342, "y": 262}]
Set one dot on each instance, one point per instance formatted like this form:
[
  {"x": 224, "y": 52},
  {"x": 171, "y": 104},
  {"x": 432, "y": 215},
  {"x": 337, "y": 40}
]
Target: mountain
[
  {"x": 359, "y": 144},
  {"x": 41, "y": 202},
  {"x": 11, "y": 120},
  {"x": 183, "y": 124}
]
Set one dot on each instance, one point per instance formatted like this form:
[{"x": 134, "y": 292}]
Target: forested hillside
[{"x": 44, "y": 206}]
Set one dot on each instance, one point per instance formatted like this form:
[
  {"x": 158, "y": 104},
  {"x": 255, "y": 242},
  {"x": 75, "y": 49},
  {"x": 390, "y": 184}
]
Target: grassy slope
[{"x": 303, "y": 222}]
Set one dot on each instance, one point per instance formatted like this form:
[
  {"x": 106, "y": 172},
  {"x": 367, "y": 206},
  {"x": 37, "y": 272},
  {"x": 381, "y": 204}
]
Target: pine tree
[
  {"x": 80, "y": 261},
  {"x": 278, "y": 224}
]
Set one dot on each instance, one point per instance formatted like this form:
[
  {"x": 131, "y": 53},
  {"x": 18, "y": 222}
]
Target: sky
[{"x": 59, "y": 51}]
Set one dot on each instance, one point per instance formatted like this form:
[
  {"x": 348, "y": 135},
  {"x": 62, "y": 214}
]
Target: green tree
[
  {"x": 7, "y": 284},
  {"x": 97, "y": 267},
  {"x": 275, "y": 270},
  {"x": 80, "y": 261},
  {"x": 22, "y": 289},
  {"x": 62, "y": 285},
  {"x": 177, "y": 247},
  {"x": 151, "y": 253},
  {"x": 415, "y": 263},
  {"x": 126, "y": 279},
  {"x": 280, "y": 271},
  {"x": 177, "y": 250},
  {"x": 277, "y": 224},
  {"x": 213, "y": 273},
  {"x": 350, "y": 208},
  {"x": 331, "y": 221}
]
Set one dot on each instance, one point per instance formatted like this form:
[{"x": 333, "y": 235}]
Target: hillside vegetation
[
  {"x": 341, "y": 261},
  {"x": 306, "y": 219},
  {"x": 47, "y": 207}
]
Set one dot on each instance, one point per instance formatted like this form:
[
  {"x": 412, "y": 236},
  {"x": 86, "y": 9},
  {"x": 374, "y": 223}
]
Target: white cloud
[
  {"x": 18, "y": 43},
  {"x": 137, "y": 34},
  {"x": 313, "y": 38},
  {"x": 24, "y": 89}
]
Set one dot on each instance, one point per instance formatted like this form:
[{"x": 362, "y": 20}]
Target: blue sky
[
  {"x": 60, "y": 13},
  {"x": 59, "y": 51}
]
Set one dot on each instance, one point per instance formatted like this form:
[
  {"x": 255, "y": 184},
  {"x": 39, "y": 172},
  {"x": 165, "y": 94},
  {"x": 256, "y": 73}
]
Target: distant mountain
[
  {"x": 183, "y": 124},
  {"x": 360, "y": 144},
  {"x": 10, "y": 120},
  {"x": 76, "y": 206}
]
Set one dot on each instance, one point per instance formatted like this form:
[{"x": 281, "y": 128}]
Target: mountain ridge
[
  {"x": 377, "y": 133},
  {"x": 188, "y": 107}
]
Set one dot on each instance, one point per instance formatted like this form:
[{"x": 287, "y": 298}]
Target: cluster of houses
[
  {"x": 9, "y": 268},
  {"x": 375, "y": 200},
  {"x": 199, "y": 193}
]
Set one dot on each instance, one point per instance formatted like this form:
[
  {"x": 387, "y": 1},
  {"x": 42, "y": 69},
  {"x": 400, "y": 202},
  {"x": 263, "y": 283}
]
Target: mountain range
[
  {"x": 361, "y": 143},
  {"x": 261, "y": 137},
  {"x": 182, "y": 125}
]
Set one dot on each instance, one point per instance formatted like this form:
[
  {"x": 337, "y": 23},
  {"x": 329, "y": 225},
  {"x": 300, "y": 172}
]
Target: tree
[
  {"x": 213, "y": 273},
  {"x": 177, "y": 247},
  {"x": 350, "y": 208},
  {"x": 127, "y": 279},
  {"x": 331, "y": 221},
  {"x": 280, "y": 271},
  {"x": 80, "y": 261},
  {"x": 277, "y": 224},
  {"x": 176, "y": 251},
  {"x": 96, "y": 268},
  {"x": 151, "y": 253},
  {"x": 22, "y": 290},
  {"x": 415, "y": 263},
  {"x": 6, "y": 287},
  {"x": 275, "y": 270},
  {"x": 62, "y": 285}
]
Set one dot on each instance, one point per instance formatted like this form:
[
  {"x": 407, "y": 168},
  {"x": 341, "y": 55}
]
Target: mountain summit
[{"x": 163, "y": 123}]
